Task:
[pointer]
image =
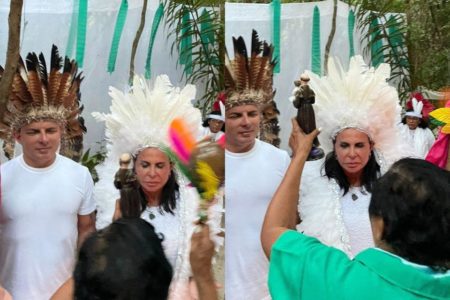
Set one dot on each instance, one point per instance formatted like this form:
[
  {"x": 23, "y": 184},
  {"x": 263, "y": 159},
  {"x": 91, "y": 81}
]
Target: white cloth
[
  {"x": 38, "y": 224},
  {"x": 326, "y": 215},
  {"x": 205, "y": 132},
  {"x": 355, "y": 208},
  {"x": 420, "y": 139},
  {"x": 251, "y": 179},
  {"x": 167, "y": 226}
]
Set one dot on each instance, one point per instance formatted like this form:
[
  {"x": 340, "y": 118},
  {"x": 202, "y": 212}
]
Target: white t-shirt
[
  {"x": 38, "y": 224},
  {"x": 251, "y": 179}
]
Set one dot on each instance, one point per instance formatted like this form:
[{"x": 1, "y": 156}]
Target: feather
[
  {"x": 55, "y": 75},
  {"x": 34, "y": 81},
  {"x": 208, "y": 182},
  {"x": 240, "y": 63}
]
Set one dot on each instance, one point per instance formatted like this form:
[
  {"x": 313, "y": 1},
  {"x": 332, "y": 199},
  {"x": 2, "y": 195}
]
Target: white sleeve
[{"x": 88, "y": 203}]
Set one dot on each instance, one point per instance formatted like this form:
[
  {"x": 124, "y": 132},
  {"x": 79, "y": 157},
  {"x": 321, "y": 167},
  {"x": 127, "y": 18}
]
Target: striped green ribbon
[
  {"x": 376, "y": 43},
  {"x": 206, "y": 31},
  {"x": 118, "y": 29},
  {"x": 351, "y": 29},
  {"x": 276, "y": 10},
  {"x": 186, "y": 43},
  {"x": 81, "y": 31},
  {"x": 72, "y": 30},
  {"x": 155, "y": 25},
  {"x": 396, "y": 40},
  {"x": 315, "y": 44}
]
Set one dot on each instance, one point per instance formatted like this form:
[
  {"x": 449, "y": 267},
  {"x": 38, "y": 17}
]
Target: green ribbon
[
  {"x": 72, "y": 30},
  {"x": 206, "y": 31},
  {"x": 118, "y": 29},
  {"x": 186, "y": 42},
  {"x": 155, "y": 25},
  {"x": 276, "y": 9},
  {"x": 396, "y": 40},
  {"x": 376, "y": 43},
  {"x": 81, "y": 31},
  {"x": 315, "y": 44},
  {"x": 351, "y": 29}
]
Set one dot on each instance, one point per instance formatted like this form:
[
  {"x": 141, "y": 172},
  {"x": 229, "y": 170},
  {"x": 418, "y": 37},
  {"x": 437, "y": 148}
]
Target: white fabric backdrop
[
  {"x": 295, "y": 44},
  {"x": 47, "y": 22}
]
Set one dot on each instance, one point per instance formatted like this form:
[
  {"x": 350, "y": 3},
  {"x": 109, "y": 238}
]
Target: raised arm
[{"x": 282, "y": 214}]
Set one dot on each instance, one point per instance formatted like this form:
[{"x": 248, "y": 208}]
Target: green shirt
[{"x": 303, "y": 268}]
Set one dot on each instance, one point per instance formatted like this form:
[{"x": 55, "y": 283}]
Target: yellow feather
[
  {"x": 441, "y": 114},
  {"x": 208, "y": 180},
  {"x": 446, "y": 129}
]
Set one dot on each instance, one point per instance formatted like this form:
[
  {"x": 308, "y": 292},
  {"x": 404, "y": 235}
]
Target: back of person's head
[
  {"x": 123, "y": 261},
  {"x": 413, "y": 199}
]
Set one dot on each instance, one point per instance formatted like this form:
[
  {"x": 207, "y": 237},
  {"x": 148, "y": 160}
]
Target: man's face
[
  {"x": 40, "y": 141},
  {"x": 242, "y": 127}
]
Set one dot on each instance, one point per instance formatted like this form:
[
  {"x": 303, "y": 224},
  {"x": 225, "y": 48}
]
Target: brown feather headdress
[
  {"x": 38, "y": 95},
  {"x": 248, "y": 80}
]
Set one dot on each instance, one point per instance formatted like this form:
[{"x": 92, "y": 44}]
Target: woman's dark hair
[
  {"x": 123, "y": 261},
  {"x": 217, "y": 113},
  {"x": 422, "y": 123},
  {"x": 334, "y": 170},
  {"x": 133, "y": 200},
  {"x": 413, "y": 199}
]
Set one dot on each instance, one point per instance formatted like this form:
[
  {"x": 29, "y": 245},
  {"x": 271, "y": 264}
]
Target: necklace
[
  {"x": 355, "y": 196},
  {"x": 151, "y": 212}
]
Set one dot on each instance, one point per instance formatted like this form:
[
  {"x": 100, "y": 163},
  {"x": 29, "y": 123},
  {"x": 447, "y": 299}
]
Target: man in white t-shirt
[
  {"x": 46, "y": 207},
  {"x": 254, "y": 169}
]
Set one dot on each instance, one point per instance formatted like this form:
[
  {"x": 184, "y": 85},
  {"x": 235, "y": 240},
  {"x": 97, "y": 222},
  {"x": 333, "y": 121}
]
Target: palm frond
[
  {"x": 205, "y": 29},
  {"x": 379, "y": 26}
]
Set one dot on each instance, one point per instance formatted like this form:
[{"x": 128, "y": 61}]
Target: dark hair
[
  {"x": 334, "y": 170},
  {"x": 422, "y": 122},
  {"x": 206, "y": 121},
  {"x": 133, "y": 200},
  {"x": 413, "y": 199},
  {"x": 123, "y": 261}
]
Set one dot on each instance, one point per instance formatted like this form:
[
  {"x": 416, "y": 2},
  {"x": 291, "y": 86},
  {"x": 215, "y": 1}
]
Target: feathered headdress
[
  {"x": 359, "y": 98},
  {"x": 248, "y": 80},
  {"x": 419, "y": 106},
  {"x": 37, "y": 94},
  {"x": 138, "y": 119}
]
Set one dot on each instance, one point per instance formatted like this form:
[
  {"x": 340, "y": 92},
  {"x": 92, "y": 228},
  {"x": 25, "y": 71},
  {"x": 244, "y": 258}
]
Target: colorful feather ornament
[
  {"x": 441, "y": 117},
  {"x": 202, "y": 164}
]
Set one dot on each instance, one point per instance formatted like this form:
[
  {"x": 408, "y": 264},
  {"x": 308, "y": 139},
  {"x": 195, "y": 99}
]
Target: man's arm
[
  {"x": 86, "y": 225},
  {"x": 282, "y": 212}
]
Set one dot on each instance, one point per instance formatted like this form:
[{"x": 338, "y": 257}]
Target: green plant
[
  {"x": 198, "y": 28},
  {"x": 91, "y": 161}
]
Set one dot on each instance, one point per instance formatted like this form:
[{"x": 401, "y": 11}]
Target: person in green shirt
[{"x": 410, "y": 219}]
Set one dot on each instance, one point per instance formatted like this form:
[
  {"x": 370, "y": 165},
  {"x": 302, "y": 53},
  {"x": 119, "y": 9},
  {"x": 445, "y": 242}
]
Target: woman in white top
[
  {"x": 138, "y": 124},
  {"x": 358, "y": 113}
]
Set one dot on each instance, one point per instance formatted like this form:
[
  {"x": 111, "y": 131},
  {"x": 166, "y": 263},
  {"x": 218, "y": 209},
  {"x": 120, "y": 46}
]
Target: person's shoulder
[
  {"x": 272, "y": 150},
  {"x": 72, "y": 165},
  {"x": 9, "y": 164}
]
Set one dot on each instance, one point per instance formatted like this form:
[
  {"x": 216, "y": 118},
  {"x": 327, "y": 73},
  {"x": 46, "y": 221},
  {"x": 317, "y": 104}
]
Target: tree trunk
[
  {"x": 136, "y": 41},
  {"x": 12, "y": 53},
  {"x": 330, "y": 38}
]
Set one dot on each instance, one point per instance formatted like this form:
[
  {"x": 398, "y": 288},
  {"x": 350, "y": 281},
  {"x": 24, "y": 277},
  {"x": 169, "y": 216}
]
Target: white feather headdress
[
  {"x": 417, "y": 109},
  {"x": 359, "y": 98},
  {"x": 139, "y": 118}
]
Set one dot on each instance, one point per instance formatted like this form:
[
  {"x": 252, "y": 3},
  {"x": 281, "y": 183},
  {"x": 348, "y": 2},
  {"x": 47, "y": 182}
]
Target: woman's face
[
  {"x": 412, "y": 122},
  {"x": 152, "y": 169},
  {"x": 352, "y": 148},
  {"x": 215, "y": 125}
]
